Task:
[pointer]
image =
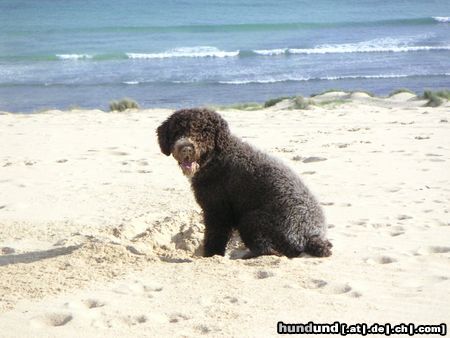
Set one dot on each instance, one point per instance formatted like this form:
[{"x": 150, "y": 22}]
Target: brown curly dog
[{"x": 239, "y": 187}]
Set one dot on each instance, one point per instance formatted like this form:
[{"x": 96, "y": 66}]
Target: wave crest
[
  {"x": 324, "y": 78},
  {"x": 270, "y": 52},
  {"x": 382, "y": 45},
  {"x": 444, "y": 19},
  {"x": 73, "y": 56},
  {"x": 186, "y": 52}
]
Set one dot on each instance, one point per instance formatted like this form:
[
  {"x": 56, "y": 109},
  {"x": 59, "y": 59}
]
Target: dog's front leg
[{"x": 217, "y": 234}]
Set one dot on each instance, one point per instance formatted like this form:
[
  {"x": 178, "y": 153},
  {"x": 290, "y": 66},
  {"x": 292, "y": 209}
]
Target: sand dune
[{"x": 100, "y": 234}]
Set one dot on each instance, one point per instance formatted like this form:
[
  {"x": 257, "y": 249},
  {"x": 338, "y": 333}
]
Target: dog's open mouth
[
  {"x": 187, "y": 164},
  {"x": 189, "y": 168}
]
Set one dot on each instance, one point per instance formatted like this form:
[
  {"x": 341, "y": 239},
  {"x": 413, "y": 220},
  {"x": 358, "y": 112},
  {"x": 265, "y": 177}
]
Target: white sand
[{"x": 100, "y": 235}]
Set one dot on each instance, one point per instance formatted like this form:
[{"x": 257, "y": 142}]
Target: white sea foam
[
  {"x": 348, "y": 49},
  {"x": 131, "y": 82},
  {"x": 184, "y": 81},
  {"x": 270, "y": 52},
  {"x": 324, "y": 78},
  {"x": 73, "y": 56},
  {"x": 354, "y": 77},
  {"x": 444, "y": 19},
  {"x": 371, "y": 46},
  {"x": 187, "y": 52},
  {"x": 265, "y": 80},
  {"x": 394, "y": 45}
]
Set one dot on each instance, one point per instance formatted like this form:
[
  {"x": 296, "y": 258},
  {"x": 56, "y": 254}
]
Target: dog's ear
[
  {"x": 222, "y": 133},
  {"x": 163, "y": 138}
]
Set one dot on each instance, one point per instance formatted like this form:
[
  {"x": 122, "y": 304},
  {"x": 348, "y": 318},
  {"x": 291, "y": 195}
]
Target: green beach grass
[{"x": 123, "y": 104}]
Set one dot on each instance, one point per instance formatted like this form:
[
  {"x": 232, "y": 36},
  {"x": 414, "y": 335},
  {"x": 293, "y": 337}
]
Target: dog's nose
[{"x": 187, "y": 151}]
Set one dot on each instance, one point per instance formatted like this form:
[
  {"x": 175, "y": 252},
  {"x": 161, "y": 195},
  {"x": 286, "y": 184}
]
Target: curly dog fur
[{"x": 239, "y": 187}]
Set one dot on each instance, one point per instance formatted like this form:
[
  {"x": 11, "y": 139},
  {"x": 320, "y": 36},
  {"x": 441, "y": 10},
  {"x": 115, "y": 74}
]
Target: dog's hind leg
[{"x": 258, "y": 235}]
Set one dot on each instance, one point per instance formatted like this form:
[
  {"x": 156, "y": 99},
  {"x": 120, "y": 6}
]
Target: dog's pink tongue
[{"x": 187, "y": 165}]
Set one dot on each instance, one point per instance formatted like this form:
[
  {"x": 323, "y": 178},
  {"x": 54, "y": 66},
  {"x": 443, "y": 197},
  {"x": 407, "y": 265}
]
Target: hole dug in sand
[
  {"x": 181, "y": 233},
  {"x": 179, "y": 236}
]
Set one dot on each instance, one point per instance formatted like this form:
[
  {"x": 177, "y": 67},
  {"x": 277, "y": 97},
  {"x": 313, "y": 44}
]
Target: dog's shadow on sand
[{"x": 34, "y": 256}]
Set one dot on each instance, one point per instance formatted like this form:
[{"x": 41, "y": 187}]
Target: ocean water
[{"x": 179, "y": 53}]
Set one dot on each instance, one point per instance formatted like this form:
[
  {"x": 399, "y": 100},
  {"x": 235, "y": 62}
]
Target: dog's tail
[{"x": 318, "y": 246}]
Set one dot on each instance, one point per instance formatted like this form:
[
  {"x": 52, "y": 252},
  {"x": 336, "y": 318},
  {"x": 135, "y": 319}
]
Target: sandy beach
[{"x": 100, "y": 235}]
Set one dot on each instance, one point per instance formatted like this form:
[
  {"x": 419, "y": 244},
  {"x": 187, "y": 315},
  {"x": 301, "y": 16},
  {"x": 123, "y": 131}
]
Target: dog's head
[{"x": 192, "y": 136}]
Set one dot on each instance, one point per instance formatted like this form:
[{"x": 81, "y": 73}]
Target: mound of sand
[
  {"x": 403, "y": 97},
  {"x": 359, "y": 96}
]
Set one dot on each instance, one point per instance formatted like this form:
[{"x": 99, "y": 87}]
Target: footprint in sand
[
  {"x": 232, "y": 300},
  {"x": 393, "y": 190},
  {"x": 361, "y": 222},
  {"x": 433, "y": 250},
  {"x": 308, "y": 173},
  {"x": 119, "y": 153},
  {"x": 134, "y": 320},
  {"x": 263, "y": 274},
  {"x": 137, "y": 288},
  {"x": 442, "y": 223},
  {"x": 152, "y": 288},
  {"x": 355, "y": 294},
  {"x": 202, "y": 329},
  {"x": 51, "y": 319},
  {"x": 380, "y": 225},
  {"x": 397, "y": 231},
  {"x": 337, "y": 289},
  {"x": 350, "y": 235},
  {"x": 178, "y": 317},
  {"x": 332, "y": 288},
  {"x": 83, "y": 305},
  {"x": 141, "y": 319},
  {"x": 380, "y": 260},
  {"x": 312, "y": 159},
  {"x": 315, "y": 284},
  {"x": 93, "y": 303},
  {"x": 130, "y": 320}
]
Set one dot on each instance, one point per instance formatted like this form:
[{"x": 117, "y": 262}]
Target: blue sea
[{"x": 179, "y": 53}]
